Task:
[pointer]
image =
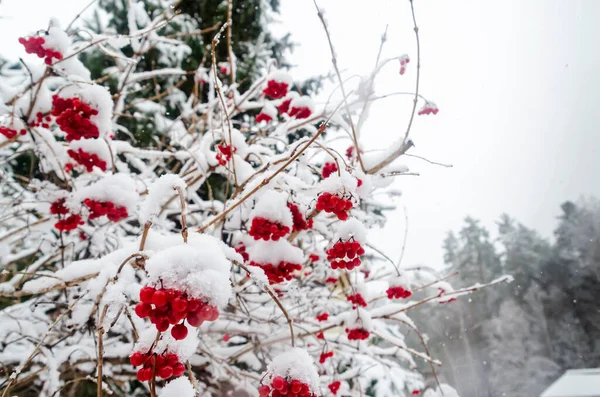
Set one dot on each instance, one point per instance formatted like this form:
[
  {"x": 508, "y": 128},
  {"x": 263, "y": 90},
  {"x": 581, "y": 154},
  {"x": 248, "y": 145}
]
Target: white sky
[{"x": 517, "y": 85}]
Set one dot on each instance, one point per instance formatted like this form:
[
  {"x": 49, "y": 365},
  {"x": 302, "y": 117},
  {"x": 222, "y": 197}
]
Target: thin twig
[{"x": 341, "y": 82}]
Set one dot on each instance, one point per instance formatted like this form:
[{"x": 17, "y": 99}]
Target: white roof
[{"x": 576, "y": 383}]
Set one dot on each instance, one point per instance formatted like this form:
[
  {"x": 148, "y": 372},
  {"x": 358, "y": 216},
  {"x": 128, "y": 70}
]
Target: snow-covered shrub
[{"x": 122, "y": 266}]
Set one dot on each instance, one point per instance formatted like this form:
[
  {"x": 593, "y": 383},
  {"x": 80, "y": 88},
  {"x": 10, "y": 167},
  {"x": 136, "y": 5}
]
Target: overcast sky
[{"x": 517, "y": 83}]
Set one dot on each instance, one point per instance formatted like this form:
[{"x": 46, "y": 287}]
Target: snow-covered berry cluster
[
  {"x": 428, "y": 108},
  {"x": 113, "y": 211},
  {"x": 165, "y": 307},
  {"x": 333, "y": 203},
  {"x": 36, "y": 45},
  {"x": 73, "y": 118},
  {"x": 398, "y": 293},
  {"x": 357, "y": 334},
  {"x": 299, "y": 222},
  {"x": 278, "y": 272},
  {"x": 280, "y": 387},
  {"x": 87, "y": 160},
  {"x": 404, "y": 60},
  {"x": 324, "y": 356}
]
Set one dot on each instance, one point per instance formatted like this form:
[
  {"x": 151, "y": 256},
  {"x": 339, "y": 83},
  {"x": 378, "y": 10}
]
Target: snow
[
  {"x": 443, "y": 391},
  {"x": 280, "y": 76},
  {"x": 269, "y": 110},
  {"x": 294, "y": 364},
  {"x": 575, "y": 383},
  {"x": 201, "y": 271},
  {"x": 274, "y": 252},
  {"x": 158, "y": 193},
  {"x": 184, "y": 348},
  {"x": 57, "y": 39},
  {"x": 352, "y": 227},
  {"x": 272, "y": 205},
  {"x": 178, "y": 387}
]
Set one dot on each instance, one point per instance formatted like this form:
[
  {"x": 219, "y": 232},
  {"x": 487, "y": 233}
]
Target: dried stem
[
  {"x": 184, "y": 228},
  {"x": 341, "y": 82},
  {"x": 100, "y": 350}
]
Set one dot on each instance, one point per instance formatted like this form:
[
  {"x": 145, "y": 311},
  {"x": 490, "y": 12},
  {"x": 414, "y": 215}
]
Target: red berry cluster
[
  {"x": 166, "y": 365},
  {"x": 332, "y": 280},
  {"x": 313, "y": 257},
  {"x": 323, "y": 317},
  {"x": 276, "y": 89},
  {"x": 278, "y": 273},
  {"x": 284, "y": 106},
  {"x": 300, "y": 112},
  {"x": 357, "y": 334},
  {"x": 99, "y": 208},
  {"x": 357, "y": 299},
  {"x": 324, "y": 356},
  {"x": 69, "y": 223},
  {"x": 416, "y": 392},
  {"x": 347, "y": 254},
  {"x": 35, "y": 45},
  {"x": 58, "y": 207},
  {"x": 332, "y": 203},
  {"x": 171, "y": 307},
  {"x": 265, "y": 229},
  {"x": 10, "y": 133},
  {"x": 224, "y": 154},
  {"x": 299, "y": 222},
  {"x": 40, "y": 120},
  {"x": 73, "y": 117},
  {"x": 334, "y": 386},
  {"x": 88, "y": 160},
  {"x": 328, "y": 169},
  {"x": 398, "y": 293},
  {"x": 281, "y": 387}
]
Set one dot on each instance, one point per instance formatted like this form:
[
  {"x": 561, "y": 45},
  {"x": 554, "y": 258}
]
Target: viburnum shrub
[{"x": 217, "y": 253}]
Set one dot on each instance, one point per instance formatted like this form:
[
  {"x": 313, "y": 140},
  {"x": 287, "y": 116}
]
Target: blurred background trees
[{"x": 514, "y": 340}]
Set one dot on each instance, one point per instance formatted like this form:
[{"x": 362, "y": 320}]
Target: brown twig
[
  {"x": 184, "y": 229},
  {"x": 100, "y": 350}
]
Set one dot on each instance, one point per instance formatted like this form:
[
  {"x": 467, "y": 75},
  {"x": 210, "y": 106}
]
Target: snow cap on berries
[
  {"x": 272, "y": 205},
  {"x": 184, "y": 348},
  {"x": 201, "y": 270},
  {"x": 267, "y": 113},
  {"x": 295, "y": 364},
  {"x": 118, "y": 189},
  {"x": 301, "y": 107},
  {"x": 98, "y": 98},
  {"x": 275, "y": 252},
  {"x": 351, "y": 228},
  {"x": 178, "y": 387}
]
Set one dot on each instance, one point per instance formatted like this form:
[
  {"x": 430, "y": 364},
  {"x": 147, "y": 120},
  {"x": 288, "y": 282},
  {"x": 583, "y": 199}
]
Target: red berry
[
  {"x": 142, "y": 309},
  {"x": 165, "y": 372},
  {"x": 278, "y": 383},
  {"x": 146, "y": 294},
  {"x": 179, "y": 331},
  {"x": 178, "y": 369},
  {"x": 137, "y": 359},
  {"x": 264, "y": 391},
  {"x": 160, "y": 298}
]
